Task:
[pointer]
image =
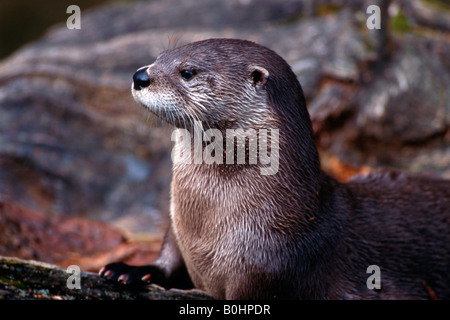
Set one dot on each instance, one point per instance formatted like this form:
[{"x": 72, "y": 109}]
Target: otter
[{"x": 294, "y": 234}]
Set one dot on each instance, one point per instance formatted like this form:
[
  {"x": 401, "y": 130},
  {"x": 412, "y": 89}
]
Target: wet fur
[{"x": 297, "y": 234}]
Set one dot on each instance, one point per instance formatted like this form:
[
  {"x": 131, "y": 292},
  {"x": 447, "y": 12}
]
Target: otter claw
[
  {"x": 146, "y": 278},
  {"x": 105, "y": 273},
  {"x": 126, "y": 274},
  {"x": 123, "y": 278}
]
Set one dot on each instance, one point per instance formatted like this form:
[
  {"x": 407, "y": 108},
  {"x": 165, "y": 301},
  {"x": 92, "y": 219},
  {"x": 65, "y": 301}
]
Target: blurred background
[{"x": 85, "y": 172}]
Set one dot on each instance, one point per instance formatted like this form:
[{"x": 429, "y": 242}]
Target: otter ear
[{"x": 258, "y": 76}]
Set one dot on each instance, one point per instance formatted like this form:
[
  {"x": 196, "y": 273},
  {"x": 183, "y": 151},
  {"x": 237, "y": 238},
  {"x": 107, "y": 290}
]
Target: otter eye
[{"x": 187, "y": 74}]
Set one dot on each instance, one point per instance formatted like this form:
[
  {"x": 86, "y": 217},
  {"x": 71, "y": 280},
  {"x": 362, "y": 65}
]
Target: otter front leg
[{"x": 168, "y": 271}]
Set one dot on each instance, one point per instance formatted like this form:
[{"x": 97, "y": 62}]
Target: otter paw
[{"x": 127, "y": 274}]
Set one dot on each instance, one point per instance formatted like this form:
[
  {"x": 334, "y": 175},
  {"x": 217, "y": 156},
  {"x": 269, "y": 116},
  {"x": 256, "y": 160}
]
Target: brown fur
[{"x": 297, "y": 233}]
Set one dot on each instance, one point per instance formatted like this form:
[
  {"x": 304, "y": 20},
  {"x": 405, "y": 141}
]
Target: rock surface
[
  {"x": 65, "y": 240},
  {"x": 34, "y": 280}
]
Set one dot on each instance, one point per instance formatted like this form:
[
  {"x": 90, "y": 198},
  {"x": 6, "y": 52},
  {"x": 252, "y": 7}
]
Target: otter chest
[{"x": 214, "y": 239}]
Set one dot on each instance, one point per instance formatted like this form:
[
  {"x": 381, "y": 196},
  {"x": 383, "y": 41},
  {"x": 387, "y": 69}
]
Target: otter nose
[{"x": 141, "y": 79}]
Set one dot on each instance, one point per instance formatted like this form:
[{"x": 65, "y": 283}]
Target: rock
[
  {"x": 399, "y": 117},
  {"x": 432, "y": 14},
  {"x": 65, "y": 241},
  {"x": 33, "y": 280}
]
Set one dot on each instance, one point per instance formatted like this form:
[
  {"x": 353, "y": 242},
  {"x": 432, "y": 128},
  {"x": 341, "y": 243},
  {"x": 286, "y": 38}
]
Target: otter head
[{"x": 224, "y": 83}]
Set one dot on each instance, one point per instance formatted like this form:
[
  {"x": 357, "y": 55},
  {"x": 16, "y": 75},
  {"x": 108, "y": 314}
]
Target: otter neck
[{"x": 293, "y": 164}]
